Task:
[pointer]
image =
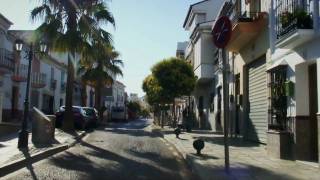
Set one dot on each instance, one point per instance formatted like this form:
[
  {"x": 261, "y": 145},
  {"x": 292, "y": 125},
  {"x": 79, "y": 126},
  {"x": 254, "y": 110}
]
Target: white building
[
  {"x": 202, "y": 54},
  {"x": 48, "y": 76},
  {"x": 133, "y": 97},
  {"x": 294, "y": 66},
  {"x": 115, "y": 96},
  {"x": 274, "y": 78},
  {"x": 181, "y": 49}
]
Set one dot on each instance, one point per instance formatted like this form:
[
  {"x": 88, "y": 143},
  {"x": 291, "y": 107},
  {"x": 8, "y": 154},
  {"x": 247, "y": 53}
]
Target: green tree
[
  {"x": 175, "y": 77},
  {"x": 134, "y": 107},
  {"x": 71, "y": 26},
  {"x": 154, "y": 91},
  {"x": 98, "y": 69}
]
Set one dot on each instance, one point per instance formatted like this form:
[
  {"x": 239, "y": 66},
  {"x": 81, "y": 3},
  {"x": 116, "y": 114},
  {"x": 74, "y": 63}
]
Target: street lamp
[{"x": 23, "y": 133}]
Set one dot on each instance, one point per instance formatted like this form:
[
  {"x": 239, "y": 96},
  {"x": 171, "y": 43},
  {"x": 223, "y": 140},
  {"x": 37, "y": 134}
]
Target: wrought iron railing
[
  {"x": 238, "y": 16},
  {"x": 292, "y": 15},
  {"x": 6, "y": 59},
  {"x": 20, "y": 72}
]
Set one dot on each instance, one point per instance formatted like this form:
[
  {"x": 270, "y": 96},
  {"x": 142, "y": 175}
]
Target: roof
[
  {"x": 120, "y": 83},
  {"x": 181, "y": 46},
  {"x": 4, "y": 18},
  {"x": 189, "y": 11},
  {"x": 25, "y": 35}
]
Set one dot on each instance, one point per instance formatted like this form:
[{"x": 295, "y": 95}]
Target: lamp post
[{"x": 23, "y": 133}]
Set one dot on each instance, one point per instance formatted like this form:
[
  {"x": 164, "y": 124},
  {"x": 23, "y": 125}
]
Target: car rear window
[{"x": 89, "y": 112}]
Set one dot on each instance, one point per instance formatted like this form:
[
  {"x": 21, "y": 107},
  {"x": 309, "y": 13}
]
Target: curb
[
  {"x": 187, "y": 157},
  {"x": 21, "y": 163}
]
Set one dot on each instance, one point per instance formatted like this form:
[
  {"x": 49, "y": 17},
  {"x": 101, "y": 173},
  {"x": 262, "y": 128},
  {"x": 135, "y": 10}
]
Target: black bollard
[
  {"x": 177, "y": 131},
  {"x": 198, "y": 144}
]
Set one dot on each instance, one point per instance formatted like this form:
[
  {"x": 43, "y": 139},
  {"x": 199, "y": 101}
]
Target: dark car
[{"x": 84, "y": 117}]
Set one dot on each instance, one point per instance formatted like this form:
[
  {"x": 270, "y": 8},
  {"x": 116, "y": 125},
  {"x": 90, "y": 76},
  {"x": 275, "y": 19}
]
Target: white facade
[
  {"x": 201, "y": 53},
  {"x": 116, "y": 95},
  {"x": 48, "y": 77},
  {"x": 297, "y": 50}
]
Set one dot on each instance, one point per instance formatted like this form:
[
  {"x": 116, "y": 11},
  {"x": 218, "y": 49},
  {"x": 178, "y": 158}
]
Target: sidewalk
[
  {"x": 12, "y": 158},
  {"x": 247, "y": 160}
]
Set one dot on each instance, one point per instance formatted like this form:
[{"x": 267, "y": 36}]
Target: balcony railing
[
  {"x": 20, "y": 73},
  {"x": 6, "y": 59},
  {"x": 237, "y": 17},
  {"x": 38, "y": 80},
  {"x": 292, "y": 15}
]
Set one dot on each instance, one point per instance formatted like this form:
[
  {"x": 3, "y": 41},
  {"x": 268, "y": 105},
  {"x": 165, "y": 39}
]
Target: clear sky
[{"x": 146, "y": 31}]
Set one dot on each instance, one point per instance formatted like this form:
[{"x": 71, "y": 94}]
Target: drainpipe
[
  {"x": 272, "y": 33},
  {"x": 318, "y": 88},
  {"x": 315, "y": 14}
]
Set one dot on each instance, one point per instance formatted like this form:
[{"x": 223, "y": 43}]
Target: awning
[{"x": 277, "y": 63}]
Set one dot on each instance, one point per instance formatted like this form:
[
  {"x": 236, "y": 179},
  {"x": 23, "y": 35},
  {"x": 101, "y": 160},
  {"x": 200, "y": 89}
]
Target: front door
[{"x": 313, "y": 111}]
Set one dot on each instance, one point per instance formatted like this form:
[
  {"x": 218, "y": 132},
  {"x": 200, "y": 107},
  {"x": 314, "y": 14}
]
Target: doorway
[
  {"x": 201, "y": 113},
  {"x": 219, "y": 113},
  {"x": 238, "y": 104},
  {"x": 14, "y": 101},
  {"x": 313, "y": 106}
]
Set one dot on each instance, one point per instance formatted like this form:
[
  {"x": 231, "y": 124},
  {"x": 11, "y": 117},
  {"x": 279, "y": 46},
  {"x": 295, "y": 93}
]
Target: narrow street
[{"x": 120, "y": 151}]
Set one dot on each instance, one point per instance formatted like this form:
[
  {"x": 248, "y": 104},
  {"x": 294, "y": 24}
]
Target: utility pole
[
  {"x": 222, "y": 32},
  {"x": 225, "y": 108}
]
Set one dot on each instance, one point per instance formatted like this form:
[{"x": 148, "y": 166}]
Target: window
[{"x": 277, "y": 98}]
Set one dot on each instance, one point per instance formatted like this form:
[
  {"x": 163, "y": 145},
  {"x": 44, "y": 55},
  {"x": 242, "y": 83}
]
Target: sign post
[{"x": 221, "y": 36}]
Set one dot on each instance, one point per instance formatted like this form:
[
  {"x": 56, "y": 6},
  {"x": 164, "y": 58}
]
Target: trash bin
[{"x": 42, "y": 127}]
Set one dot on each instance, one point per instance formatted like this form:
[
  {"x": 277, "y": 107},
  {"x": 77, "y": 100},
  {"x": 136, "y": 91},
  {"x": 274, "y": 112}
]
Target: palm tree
[
  {"x": 71, "y": 26},
  {"x": 100, "y": 68}
]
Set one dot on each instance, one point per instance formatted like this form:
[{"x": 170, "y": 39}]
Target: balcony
[
  {"x": 20, "y": 73},
  {"x": 38, "y": 80},
  {"x": 245, "y": 28},
  {"x": 204, "y": 72},
  {"x": 294, "y": 23},
  {"x": 6, "y": 61}
]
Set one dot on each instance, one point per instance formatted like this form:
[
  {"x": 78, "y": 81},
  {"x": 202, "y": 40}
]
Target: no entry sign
[{"x": 222, "y": 32}]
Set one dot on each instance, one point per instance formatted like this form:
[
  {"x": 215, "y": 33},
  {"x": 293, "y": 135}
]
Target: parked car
[
  {"x": 84, "y": 117},
  {"x": 118, "y": 114}
]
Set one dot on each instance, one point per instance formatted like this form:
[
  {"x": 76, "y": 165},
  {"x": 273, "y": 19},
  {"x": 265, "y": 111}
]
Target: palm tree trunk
[
  {"x": 98, "y": 103},
  {"x": 98, "y": 100},
  {"x": 174, "y": 114},
  {"x": 68, "y": 122}
]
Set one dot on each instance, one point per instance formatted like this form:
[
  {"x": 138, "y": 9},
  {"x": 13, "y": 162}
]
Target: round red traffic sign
[{"x": 222, "y": 32}]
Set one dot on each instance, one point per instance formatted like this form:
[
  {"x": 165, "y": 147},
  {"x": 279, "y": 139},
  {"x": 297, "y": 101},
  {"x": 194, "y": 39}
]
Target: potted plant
[
  {"x": 304, "y": 20},
  {"x": 300, "y": 17},
  {"x": 286, "y": 18}
]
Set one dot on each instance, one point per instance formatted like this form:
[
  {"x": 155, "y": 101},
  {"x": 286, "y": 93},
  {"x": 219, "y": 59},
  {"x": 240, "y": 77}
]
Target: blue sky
[{"x": 146, "y": 31}]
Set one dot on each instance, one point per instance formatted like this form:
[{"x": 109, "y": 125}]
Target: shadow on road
[
  {"x": 132, "y": 132},
  {"x": 29, "y": 165},
  {"x": 117, "y": 166},
  {"x": 236, "y": 142}
]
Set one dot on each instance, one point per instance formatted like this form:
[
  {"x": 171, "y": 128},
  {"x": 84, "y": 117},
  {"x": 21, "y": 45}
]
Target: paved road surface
[{"x": 122, "y": 151}]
